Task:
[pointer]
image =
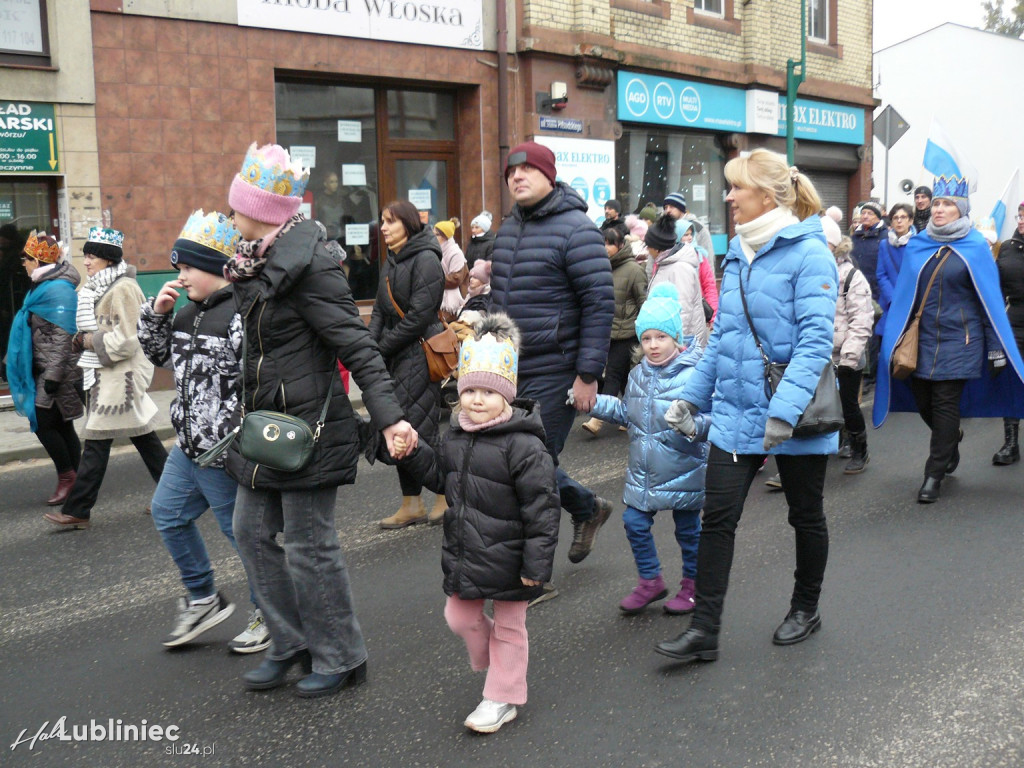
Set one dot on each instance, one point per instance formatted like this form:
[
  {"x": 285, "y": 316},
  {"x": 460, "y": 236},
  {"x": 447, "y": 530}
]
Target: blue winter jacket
[
  {"x": 791, "y": 289},
  {"x": 666, "y": 470},
  {"x": 865, "y": 252},
  {"x": 550, "y": 273},
  {"x": 890, "y": 257}
]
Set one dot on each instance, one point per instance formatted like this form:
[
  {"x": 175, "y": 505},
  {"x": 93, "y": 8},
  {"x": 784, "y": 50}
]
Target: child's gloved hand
[
  {"x": 996, "y": 363},
  {"x": 776, "y": 432},
  {"x": 680, "y": 417},
  {"x": 571, "y": 400}
]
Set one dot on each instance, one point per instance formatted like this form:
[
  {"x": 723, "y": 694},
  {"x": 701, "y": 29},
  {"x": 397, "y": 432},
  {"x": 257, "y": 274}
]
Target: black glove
[
  {"x": 996, "y": 363},
  {"x": 50, "y": 387}
]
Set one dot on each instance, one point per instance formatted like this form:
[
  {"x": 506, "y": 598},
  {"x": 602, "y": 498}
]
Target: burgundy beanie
[{"x": 537, "y": 155}]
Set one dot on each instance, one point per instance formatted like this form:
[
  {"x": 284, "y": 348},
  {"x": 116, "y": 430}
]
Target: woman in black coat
[
  {"x": 406, "y": 312},
  {"x": 1011, "y": 281}
]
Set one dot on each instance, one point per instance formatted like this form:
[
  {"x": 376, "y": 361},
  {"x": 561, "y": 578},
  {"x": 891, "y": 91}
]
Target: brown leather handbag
[
  {"x": 904, "y": 354},
  {"x": 441, "y": 349}
]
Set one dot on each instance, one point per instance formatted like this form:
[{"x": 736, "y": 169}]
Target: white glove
[
  {"x": 571, "y": 399},
  {"x": 680, "y": 417}
]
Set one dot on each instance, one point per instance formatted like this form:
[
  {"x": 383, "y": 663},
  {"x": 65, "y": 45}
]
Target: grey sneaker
[
  {"x": 549, "y": 593},
  {"x": 193, "y": 620},
  {"x": 254, "y": 638},
  {"x": 585, "y": 532},
  {"x": 489, "y": 716}
]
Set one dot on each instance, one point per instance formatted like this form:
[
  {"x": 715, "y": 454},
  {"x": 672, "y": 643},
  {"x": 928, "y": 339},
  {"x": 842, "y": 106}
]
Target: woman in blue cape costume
[{"x": 951, "y": 380}]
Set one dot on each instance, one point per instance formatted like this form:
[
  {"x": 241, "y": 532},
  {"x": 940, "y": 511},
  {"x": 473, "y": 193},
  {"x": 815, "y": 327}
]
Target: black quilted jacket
[
  {"x": 300, "y": 319},
  {"x": 503, "y": 506}
]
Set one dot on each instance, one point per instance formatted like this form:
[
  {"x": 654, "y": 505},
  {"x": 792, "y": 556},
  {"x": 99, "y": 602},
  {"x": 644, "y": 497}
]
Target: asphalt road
[{"x": 918, "y": 663}]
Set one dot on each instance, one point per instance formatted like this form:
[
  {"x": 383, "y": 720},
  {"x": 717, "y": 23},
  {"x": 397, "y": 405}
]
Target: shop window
[
  {"x": 334, "y": 129},
  {"x": 24, "y": 38},
  {"x": 651, "y": 164},
  {"x": 421, "y": 115}
]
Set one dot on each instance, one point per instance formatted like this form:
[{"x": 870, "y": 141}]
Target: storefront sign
[
  {"x": 447, "y": 23},
  {"x": 6, "y": 209},
  {"x": 561, "y": 124},
  {"x": 28, "y": 138},
  {"x": 586, "y": 165},
  {"x": 688, "y": 104}
]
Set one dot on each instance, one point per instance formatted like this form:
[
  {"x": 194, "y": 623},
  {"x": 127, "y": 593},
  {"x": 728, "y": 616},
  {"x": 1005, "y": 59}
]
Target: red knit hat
[{"x": 537, "y": 155}]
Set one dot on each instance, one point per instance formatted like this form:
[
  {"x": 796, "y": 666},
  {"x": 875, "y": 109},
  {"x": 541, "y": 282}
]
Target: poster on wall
[{"x": 586, "y": 165}]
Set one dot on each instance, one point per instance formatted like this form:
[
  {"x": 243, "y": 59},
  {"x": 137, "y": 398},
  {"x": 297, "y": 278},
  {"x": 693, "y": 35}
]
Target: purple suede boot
[
  {"x": 645, "y": 593},
  {"x": 682, "y": 602}
]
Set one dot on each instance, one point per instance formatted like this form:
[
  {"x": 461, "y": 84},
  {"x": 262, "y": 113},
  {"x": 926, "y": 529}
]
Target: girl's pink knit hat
[{"x": 270, "y": 186}]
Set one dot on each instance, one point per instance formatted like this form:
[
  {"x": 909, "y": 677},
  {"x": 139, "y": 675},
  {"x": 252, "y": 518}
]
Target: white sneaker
[
  {"x": 254, "y": 638},
  {"x": 193, "y": 619},
  {"x": 489, "y": 716}
]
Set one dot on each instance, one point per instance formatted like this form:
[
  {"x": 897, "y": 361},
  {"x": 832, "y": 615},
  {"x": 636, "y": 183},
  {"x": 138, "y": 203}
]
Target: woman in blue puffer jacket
[{"x": 789, "y": 278}]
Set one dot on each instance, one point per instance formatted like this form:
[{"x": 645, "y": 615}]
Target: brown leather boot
[
  {"x": 593, "y": 426},
  {"x": 436, "y": 516},
  {"x": 410, "y": 513},
  {"x": 65, "y": 481}
]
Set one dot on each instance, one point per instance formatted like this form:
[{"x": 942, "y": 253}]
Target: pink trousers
[{"x": 499, "y": 645}]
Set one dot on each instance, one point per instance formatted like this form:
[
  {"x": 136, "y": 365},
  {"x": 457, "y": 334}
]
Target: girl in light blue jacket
[{"x": 666, "y": 469}]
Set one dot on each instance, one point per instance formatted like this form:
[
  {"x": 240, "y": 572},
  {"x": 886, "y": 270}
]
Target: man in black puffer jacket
[{"x": 550, "y": 273}]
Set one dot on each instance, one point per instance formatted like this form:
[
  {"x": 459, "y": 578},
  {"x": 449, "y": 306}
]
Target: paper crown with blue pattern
[
  {"x": 106, "y": 236},
  {"x": 490, "y": 357},
  {"x": 953, "y": 186},
  {"x": 270, "y": 186},
  {"x": 207, "y": 242}
]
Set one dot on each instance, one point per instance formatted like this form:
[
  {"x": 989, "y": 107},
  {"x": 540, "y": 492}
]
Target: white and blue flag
[
  {"x": 942, "y": 159},
  {"x": 1008, "y": 201}
]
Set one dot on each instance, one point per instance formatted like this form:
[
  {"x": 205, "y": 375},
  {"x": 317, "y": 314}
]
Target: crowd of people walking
[{"x": 556, "y": 318}]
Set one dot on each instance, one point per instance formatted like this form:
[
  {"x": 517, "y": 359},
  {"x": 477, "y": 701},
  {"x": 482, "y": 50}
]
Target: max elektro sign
[{"x": 689, "y": 104}]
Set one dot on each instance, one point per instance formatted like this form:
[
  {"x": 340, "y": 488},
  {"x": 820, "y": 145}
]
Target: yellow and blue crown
[
  {"x": 952, "y": 186},
  {"x": 489, "y": 355},
  {"x": 106, "y": 236},
  {"x": 271, "y": 169},
  {"x": 214, "y": 230}
]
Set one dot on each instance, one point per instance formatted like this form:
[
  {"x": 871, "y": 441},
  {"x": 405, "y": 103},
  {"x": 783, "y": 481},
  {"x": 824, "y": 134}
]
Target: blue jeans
[
  {"x": 303, "y": 586},
  {"x": 183, "y": 494},
  {"x": 551, "y": 392},
  {"x": 638, "y": 523}
]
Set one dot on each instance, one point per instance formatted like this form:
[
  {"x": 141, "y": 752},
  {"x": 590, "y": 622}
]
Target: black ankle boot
[
  {"x": 929, "y": 492},
  {"x": 1010, "y": 452},
  {"x": 692, "y": 645},
  {"x": 858, "y": 453},
  {"x": 271, "y": 674}
]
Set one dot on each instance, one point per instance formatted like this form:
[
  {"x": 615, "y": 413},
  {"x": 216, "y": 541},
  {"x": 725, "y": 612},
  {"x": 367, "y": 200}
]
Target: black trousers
[
  {"x": 616, "y": 370},
  {"x": 849, "y": 396},
  {"x": 938, "y": 402},
  {"x": 94, "y": 466},
  {"x": 727, "y": 484},
  {"x": 59, "y": 438}
]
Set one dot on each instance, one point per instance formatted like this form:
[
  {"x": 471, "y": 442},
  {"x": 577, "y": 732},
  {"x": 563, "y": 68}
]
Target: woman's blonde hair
[
  {"x": 768, "y": 171},
  {"x": 845, "y": 248}
]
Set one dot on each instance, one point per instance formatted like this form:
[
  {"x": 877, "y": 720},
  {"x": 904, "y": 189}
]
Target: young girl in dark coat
[{"x": 501, "y": 525}]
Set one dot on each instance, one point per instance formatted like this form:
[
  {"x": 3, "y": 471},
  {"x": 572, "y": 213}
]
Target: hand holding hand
[
  {"x": 584, "y": 395},
  {"x": 776, "y": 432},
  {"x": 50, "y": 387},
  {"x": 996, "y": 363},
  {"x": 680, "y": 417},
  {"x": 404, "y": 430},
  {"x": 76, "y": 343},
  {"x": 570, "y": 398},
  {"x": 87, "y": 340},
  {"x": 164, "y": 301}
]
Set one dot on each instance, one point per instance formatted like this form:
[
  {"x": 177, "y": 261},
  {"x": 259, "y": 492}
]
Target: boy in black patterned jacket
[{"x": 202, "y": 343}]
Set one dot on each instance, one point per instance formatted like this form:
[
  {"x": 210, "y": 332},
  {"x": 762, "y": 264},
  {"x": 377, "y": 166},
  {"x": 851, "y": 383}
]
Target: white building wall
[{"x": 966, "y": 78}]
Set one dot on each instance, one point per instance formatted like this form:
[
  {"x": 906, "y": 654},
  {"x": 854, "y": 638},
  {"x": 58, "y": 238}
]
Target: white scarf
[
  {"x": 897, "y": 241},
  {"x": 754, "y": 234},
  {"x": 92, "y": 292}
]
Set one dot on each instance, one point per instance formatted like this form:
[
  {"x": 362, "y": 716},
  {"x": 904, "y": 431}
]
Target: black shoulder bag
[{"x": 824, "y": 413}]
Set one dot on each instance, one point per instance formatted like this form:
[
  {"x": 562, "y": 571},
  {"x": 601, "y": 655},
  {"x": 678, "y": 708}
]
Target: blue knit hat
[
  {"x": 676, "y": 200},
  {"x": 661, "y": 312}
]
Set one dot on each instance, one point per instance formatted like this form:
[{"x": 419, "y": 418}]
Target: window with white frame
[
  {"x": 817, "y": 20},
  {"x": 710, "y": 7},
  {"x": 23, "y": 35}
]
